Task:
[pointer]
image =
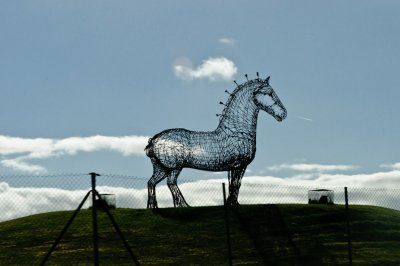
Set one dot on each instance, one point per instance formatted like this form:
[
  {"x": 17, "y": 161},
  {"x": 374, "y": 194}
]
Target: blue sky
[{"x": 84, "y": 83}]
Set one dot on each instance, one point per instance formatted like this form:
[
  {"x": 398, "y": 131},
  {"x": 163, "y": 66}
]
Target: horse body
[
  {"x": 231, "y": 147},
  {"x": 217, "y": 152}
]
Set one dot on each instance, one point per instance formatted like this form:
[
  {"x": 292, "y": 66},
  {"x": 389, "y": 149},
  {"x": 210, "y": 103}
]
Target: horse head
[{"x": 266, "y": 99}]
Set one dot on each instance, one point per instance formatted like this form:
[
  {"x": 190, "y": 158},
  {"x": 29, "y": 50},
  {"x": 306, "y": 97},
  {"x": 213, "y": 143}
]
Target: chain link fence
[
  {"x": 26, "y": 195},
  {"x": 22, "y": 196}
]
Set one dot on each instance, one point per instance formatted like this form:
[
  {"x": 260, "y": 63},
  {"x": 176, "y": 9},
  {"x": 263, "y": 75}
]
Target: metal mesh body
[{"x": 231, "y": 147}]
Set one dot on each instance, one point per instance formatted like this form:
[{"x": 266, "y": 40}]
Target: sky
[{"x": 84, "y": 84}]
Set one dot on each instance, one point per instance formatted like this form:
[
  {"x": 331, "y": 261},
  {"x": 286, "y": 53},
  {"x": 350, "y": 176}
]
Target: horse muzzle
[{"x": 281, "y": 115}]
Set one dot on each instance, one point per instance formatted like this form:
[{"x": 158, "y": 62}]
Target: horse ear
[{"x": 267, "y": 80}]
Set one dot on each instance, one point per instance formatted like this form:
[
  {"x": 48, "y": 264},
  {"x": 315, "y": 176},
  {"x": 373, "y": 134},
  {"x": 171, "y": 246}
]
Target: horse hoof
[
  {"x": 230, "y": 202},
  {"x": 182, "y": 205},
  {"x": 152, "y": 205}
]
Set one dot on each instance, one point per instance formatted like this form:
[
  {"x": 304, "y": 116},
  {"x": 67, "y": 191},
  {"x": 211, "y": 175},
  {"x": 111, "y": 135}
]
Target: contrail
[{"x": 304, "y": 118}]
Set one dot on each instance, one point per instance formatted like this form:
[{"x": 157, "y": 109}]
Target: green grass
[{"x": 260, "y": 235}]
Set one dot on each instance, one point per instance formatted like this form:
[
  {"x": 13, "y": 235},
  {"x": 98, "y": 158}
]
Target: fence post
[
  {"x": 228, "y": 234},
  {"x": 94, "y": 221},
  {"x": 348, "y": 227}
]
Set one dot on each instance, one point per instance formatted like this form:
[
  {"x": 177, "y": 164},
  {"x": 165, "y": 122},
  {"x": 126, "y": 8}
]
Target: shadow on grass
[
  {"x": 181, "y": 214},
  {"x": 274, "y": 242}
]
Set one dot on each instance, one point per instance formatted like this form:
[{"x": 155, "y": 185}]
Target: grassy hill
[{"x": 260, "y": 235}]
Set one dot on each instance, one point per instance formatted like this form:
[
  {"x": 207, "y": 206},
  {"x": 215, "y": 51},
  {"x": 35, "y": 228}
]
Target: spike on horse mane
[
  {"x": 174, "y": 149},
  {"x": 258, "y": 75},
  {"x": 246, "y": 77},
  {"x": 236, "y": 83},
  {"x": 227, "y": 92}
]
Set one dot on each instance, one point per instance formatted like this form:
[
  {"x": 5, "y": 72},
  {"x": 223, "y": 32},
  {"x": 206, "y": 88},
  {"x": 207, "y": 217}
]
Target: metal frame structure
[{"x": 231, "y": 147}]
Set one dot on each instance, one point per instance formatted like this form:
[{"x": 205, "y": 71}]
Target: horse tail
[{"x": 149, "y": 148}]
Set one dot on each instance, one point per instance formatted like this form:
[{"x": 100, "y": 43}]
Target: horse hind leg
[
  {"x": 159, "y": 173},
  {"x": 179, "y": 200}
]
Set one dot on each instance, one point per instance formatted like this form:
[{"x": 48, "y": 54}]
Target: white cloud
[
  {"x": 213, "y": 69},
  {"x": 372, "y": 189},
  {"x": 390, "y": 179},
  {"x": 14, "y": 145},
  {"x": 20, "y": 165},
  {"x": 394, "y": 166},
  {"x": 228, "y": 41},
  {"x": 303, "y": 167},
  {"x": 21, "y": 150},
  {"x": 20, "y": 202},
  {"x": 127, "y": 145}
]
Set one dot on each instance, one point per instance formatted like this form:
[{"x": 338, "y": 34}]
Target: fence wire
[
  {"x": 22, "y": 196},
  {"x": 26, "y": 195}
]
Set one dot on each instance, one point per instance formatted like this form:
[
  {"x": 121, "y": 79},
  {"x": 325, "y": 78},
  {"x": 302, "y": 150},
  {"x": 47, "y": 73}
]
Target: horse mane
[
  {"x": 231, "y": 147},
  {"x": 246, "y": 85}
]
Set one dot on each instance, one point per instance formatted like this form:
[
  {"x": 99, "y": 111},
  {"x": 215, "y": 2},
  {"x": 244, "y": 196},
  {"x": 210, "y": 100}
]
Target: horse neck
[{"x": 240, "y": 115}]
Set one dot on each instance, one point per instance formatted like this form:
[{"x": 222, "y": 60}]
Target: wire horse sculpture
[{"x": 230, "y": 147}]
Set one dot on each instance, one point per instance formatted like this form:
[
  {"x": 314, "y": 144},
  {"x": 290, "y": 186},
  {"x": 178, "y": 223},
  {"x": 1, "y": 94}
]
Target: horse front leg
[
  {"x": 235, "y": 179},
  {"x": 179, "y": 200}
]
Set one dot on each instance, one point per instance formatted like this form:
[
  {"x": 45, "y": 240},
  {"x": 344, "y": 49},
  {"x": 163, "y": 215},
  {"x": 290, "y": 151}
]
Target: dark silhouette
[{"x": 231, "y": 147}]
